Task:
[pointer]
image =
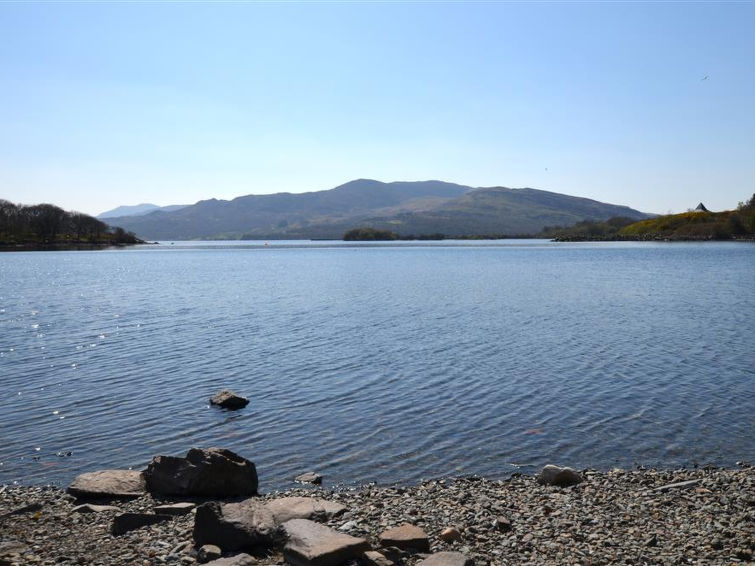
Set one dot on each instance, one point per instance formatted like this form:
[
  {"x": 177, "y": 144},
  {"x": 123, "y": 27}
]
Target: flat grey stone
[
  {"x": 313, "y": 544},
  {"x": 561, "y": 477},
  {"x": 406, "y": 537},
  {"x": 115, "y": 484},
  {"x": 287, "y": 508},
  {"x": 126, "y": 522},
  {"x": 447, "y": 559},
  {"x": 237, "y": 560},
  {"x": 175, "y": 508},
  {"x": 90, "y": 508}
]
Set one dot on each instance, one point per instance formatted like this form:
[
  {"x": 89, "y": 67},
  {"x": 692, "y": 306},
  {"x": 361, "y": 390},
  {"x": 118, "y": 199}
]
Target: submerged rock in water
[
  {"x": 213, "y": 472},
  {"x": 561, "y": 477},
  {"x": 108, "y": 484},
  {"x": 229, "y": 400}
]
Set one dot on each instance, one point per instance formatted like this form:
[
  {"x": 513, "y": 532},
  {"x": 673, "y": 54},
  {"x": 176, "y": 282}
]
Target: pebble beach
[{"x": 642, "y": 516}]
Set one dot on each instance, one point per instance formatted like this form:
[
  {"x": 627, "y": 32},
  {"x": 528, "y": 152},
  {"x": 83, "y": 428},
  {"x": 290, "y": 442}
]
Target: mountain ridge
[{"x": 406, "y": 207}]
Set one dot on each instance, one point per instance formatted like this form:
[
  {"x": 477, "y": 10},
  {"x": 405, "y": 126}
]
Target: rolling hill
[{"x": 404, "y": 207}]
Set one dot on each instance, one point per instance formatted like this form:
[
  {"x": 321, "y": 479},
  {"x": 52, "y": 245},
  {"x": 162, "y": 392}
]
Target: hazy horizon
[{"x": 646, "y": 105}]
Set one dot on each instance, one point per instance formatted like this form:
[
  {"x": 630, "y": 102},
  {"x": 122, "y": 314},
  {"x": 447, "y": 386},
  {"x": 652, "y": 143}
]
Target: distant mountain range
[
  {"x": 137, "y": 210},
  {"x": 406, "y": 208}
]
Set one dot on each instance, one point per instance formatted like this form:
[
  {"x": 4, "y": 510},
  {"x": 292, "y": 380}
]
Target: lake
[{"x": 378, "y": 362}]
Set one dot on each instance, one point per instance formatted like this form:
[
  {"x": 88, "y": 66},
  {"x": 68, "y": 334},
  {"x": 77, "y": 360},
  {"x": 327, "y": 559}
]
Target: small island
[{"x": 49, "y": 227}]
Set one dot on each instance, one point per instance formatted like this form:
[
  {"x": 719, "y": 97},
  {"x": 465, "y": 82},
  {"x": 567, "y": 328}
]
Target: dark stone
[
  {"x": 229, "y": 400},
  {"x": 236, "y": 526},
  {"x": 561, "y": 477},
  {"x": 213, "y": 472},
  {"x": 126, "y": 522}
]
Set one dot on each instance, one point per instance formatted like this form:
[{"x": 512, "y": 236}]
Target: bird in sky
[{"x": 705, "y": 78}]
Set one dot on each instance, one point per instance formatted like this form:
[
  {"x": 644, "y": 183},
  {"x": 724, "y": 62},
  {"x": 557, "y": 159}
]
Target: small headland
[
  {"x": 698, "y": 225},
  {"x": 46, "y": 227},
  {"x": 642, "y": 516}
]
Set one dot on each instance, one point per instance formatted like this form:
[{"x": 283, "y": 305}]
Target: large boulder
[
  {"x": 313, "y": 544},
  {"x": 213, "y": 472},
  {"x": 235, "y": 526},
  {"x": 254, "y": 523},
  {"x": 561, "y": 477},
  {"x": 108, "y": 484}
]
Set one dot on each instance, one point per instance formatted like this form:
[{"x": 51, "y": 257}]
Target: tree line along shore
[{"x": 46, "y": 226}]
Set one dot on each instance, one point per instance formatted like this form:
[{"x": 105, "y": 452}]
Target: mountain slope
[
  {"x": 404, "y": 207},
  {"x": 137, "y": 210}
]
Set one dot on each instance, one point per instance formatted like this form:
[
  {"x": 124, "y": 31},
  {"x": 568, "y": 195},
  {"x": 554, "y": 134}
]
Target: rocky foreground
[{"x": 615, "y": 517}]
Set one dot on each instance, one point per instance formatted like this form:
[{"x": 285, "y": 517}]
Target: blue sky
[{"x": 103, "y": 104}]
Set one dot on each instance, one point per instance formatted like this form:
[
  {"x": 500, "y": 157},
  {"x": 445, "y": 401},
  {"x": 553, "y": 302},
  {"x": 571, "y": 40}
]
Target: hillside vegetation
[
  {"x": 736, "y": 224},
  {"x": 46, "y": 225}
]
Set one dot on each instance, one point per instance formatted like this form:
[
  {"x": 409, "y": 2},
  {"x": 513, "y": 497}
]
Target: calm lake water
[{"x": 386, "y": 363}]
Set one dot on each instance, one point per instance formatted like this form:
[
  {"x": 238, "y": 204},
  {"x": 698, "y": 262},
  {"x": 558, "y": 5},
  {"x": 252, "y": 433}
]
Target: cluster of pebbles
[{"x": 644, "y": 516}]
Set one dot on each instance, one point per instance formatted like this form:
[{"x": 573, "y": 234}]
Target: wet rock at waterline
[
  {"x": 309, "y": 477},
  {"x": 229, "y": 400},
  {"x": 213, "y": 472},
  {"x": 561, "y": 477}
]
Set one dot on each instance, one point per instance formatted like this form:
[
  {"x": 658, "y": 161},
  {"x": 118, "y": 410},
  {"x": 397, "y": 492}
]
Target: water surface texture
[{"x": 386, "y": 363}]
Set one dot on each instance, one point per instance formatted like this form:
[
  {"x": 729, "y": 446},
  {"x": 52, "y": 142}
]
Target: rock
[
  {"x": 309, "y": 477},
  {"x": 229, "y": 400},
  {"x": 313, "y": 544},
  {"x": 406, "y": 537},
  {"x": 126, "y": 522},
  {"x": 175, "y": 508},
  {"x": 373, "y": 558},
  {"x": 237, "y": 560},
  {"x": 208, "y": 552},
  {"x": 213, "y": 472},
  {"x": 233, "y": 526},
  {"x": 561, "y": 477},
  {"x": 450, "y": 534},
  {"x": 89, "y": 508},
  {"x": 447, "y": 559},
  {"x": 180, "y": 548},
  {"x": 108, "y": 484},
  {"x": 678, "y": 485},
  {"x": 502, "y": 524},
  {"x": 287, "y": 508}
]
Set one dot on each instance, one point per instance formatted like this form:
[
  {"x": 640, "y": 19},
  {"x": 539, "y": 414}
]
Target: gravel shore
[{"x": 613, "y": 517}]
